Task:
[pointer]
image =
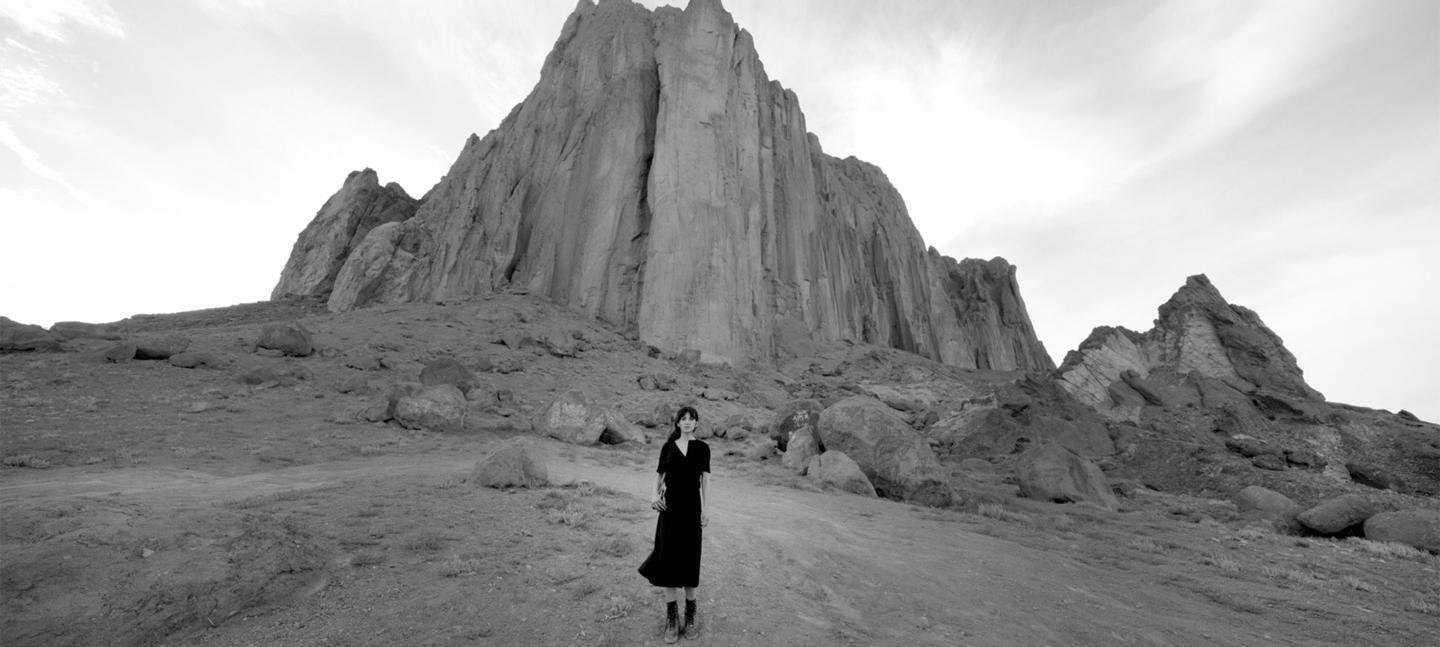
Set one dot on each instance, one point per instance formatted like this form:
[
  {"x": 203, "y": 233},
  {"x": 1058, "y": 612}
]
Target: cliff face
[{"x": 657, "y": 179}]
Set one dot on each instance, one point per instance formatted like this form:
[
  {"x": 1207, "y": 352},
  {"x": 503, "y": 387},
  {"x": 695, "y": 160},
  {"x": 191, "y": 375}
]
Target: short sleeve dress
[{"x": 675, "y": 562}]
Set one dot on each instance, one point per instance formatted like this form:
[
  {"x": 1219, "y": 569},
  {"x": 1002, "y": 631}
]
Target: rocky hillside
[
  {"x": 656, "y": 179},
  {"x": 1210, "y": 395}
]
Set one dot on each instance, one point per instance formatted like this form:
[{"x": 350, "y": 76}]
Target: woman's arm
[
  {"x": 657, "y": 498},
  {"x": 704, "y": 486}
]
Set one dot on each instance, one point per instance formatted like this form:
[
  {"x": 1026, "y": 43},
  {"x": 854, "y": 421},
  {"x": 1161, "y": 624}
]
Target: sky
[{"x": 163, "y": 155}]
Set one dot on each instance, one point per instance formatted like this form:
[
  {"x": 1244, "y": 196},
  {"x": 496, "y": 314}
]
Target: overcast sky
[{"x": 163, "y": 155}]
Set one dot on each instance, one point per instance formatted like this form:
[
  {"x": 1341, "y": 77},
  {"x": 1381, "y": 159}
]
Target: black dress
[{"x": 675, "y": 562}]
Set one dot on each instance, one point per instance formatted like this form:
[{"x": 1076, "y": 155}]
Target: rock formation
[{"x": 657, "y": 179}]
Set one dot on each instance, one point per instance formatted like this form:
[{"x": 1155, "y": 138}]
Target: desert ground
[{"x": 254, "y": 502}]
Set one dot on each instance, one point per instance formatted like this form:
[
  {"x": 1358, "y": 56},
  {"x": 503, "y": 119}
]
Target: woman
[{"x": 680, "y": 486}]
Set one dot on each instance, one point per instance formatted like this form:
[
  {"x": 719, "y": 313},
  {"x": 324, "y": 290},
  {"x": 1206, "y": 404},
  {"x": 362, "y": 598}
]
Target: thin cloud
[
  {"x": 1237, "y": 65},
  {"x": 31, "y": 161},
  {"x": 53, "y": 20}
]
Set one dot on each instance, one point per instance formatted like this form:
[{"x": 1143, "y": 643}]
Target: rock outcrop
[
  {"x": 347, "y": 218},
  {"x": 1202, "y": 350},
  {"x": 658, "y": 180}
]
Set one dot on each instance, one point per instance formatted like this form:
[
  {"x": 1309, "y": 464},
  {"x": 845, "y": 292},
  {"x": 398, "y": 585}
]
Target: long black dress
[{"x": 675, "y": 562}]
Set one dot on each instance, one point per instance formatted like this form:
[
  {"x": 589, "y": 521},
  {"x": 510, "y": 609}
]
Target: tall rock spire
[{"x": 657, "y": 179}]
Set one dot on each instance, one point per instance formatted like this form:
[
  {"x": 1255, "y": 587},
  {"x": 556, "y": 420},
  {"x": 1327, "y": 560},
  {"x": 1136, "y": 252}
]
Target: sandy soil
[{"x": 147, "y": 504}]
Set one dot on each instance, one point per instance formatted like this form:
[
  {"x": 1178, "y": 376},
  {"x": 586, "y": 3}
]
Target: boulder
[
  {"x": 898, "y": 461},
  {"x": 802, "y": 447},
  {"x": 439, "y": 408},
  {"x": 1337, "y": 515},
  {"x": 289, "y": 337},
  {"x": 1255, "y": 497},
  {"x": 1049, "y": 472},
  {"x": 515, "y": 463},
  {"x": 838, "y": 470},
  {"x": 1413, "y": 527},
  {"x": 395, "y": 392},
  {"x": 1251, "y": 447},
  {"x": 574, "y": 417},
  {"x": 448, "y": 370},
  {"x": 1374, "y": 476},
  {"x": 1304, "y": 458},
  {"x": 121, "y": 352},
  {"x": 161, "y": 347}
]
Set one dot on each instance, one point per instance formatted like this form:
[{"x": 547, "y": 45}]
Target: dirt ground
[{"x": 148, "y": 504}]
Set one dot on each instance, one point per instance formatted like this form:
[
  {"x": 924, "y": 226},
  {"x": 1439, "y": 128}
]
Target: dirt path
[{"x": 788, "y": 566}]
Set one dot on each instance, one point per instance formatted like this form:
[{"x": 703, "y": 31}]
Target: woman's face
[{"x": 687, "y": 423}]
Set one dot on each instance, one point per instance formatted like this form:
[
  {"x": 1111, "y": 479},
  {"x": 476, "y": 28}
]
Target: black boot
[
  {"x": 691, "y": 630},
  {"x": 672, "y": 623}
]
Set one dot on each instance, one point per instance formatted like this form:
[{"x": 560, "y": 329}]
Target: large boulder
[
  {"x": 1050, "y": 472},
  {"x": 515, "y": 463},
  {"x": 1414, "y": 527},
  {"x": 439, "y": 408},
  {"x": 898, "y": 460},
  {"x": 289, "y": 337},
  {"x": 838, "y": 470},
  {"x": 574, "y": 417},
  {"x": 1337, "y": 515}
]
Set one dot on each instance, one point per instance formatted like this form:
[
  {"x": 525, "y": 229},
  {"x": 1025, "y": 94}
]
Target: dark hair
[{"x": 686, "y": 411}]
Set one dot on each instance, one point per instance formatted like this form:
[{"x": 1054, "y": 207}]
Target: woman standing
[{"x": 680, "y": 487}]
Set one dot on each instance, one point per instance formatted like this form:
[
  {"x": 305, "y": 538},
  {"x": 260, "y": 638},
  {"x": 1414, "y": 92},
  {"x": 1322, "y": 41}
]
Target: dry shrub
[
  {"x": 1292, "y": 575},
  {"x": 426, "y": 540},
  {"x": 1358, "y": 584},
  {"x": 1223, "y": 562},
  {"x": 367, "y": 558},
  {"x": 455, "y": 567},
  {"x": 1001, "y": 513},
  {"x": 569, "y": 517},
  {"x": 618, "y": 546},
  {"x": 1388, "y": 549}
]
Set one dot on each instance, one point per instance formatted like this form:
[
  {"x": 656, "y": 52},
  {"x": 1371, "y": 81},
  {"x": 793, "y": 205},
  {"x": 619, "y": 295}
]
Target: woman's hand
[
  {"x": 704, "y": 519},
  {"x": 657, "y": 503}
]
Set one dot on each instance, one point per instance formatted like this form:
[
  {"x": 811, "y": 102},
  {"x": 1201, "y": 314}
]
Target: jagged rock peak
[
  {"x": 657, "y": 179},
  {"x": 347, "y": 217},
  {"x": 1200, "y": 346}
]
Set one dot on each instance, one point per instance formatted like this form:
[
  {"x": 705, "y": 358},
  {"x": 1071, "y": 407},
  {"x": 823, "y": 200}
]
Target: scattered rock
[
  {"x": 837, "y": 469},
  {"x": 1304, "y": 458},
  {"x": 448, "y": 370},
  {"x": 1050, "y": 472},
  {"x": 516, "y": 463},
  {"x": 195, "y": 359},
  {"x": 1255, "y": 497},
  {"x": 1270, "y": 462},
  {"x": 1337, "y": 515},
  {"x": 618, "y": 429},
  {"x": 796, "y": 415},
  {"x": 977, "y": 466},
  {"x": 161, "y": 347},
  {"x": 367, "y": 363},
  {"x": 289, "y": 337},
  {"x": 438, "y": 408},
  {"x": 1414, "y": 527},
  {"x": 1250, "y": 447}
]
